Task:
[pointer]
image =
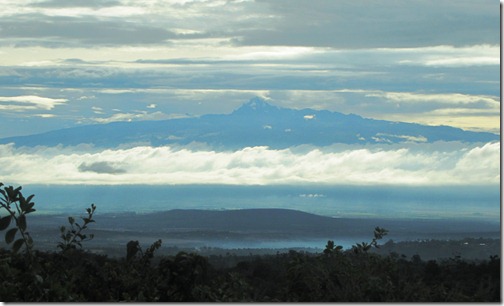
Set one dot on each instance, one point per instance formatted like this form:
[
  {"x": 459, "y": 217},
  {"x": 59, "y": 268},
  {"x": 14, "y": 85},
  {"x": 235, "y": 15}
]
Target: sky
[{"x": 70, "y": 63}]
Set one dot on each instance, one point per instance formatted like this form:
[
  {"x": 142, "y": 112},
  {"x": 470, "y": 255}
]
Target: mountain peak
[
  {"x": 255, "y": 123},
  {"x": 256, "y": 105}
]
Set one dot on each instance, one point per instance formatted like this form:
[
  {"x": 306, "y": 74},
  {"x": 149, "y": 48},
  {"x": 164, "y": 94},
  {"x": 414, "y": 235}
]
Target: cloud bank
[{"x": 419, "y": 164}]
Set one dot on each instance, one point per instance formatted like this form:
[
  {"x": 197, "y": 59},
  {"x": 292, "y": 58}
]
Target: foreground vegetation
[{"x": 355, "y": 275}]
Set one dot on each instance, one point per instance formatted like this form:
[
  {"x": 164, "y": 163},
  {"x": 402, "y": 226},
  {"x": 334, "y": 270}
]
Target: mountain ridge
[
  {"x": 288, "y": 221},
  {"x": 255, "y": 123}
]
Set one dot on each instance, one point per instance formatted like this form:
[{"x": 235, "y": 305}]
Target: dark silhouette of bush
[
  {"x": 17, "y": 207},
  {"x": 73, "y": 237}
]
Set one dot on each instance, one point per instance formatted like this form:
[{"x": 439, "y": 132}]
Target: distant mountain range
[
  {"x": 276, "y": 220},
  {"x": 255, "y": 123},
  {"x": 270, "y": 223}
]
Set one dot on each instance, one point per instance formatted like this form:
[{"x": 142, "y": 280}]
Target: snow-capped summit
[{"x": 256, "y": 105}]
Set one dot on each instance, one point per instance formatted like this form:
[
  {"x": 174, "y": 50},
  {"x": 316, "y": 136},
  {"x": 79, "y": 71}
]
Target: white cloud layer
[{"x": 419, "y": 164}]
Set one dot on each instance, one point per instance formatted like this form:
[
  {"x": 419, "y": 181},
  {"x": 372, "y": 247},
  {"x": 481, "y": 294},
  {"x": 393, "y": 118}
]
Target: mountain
[
  {"x": 255, "y": 123},
  {"x": 277, "y": 220},
  {"x": 266, "y": 223}
]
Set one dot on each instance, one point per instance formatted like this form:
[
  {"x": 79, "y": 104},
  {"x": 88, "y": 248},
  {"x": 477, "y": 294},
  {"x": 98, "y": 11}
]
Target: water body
[{"x": 452, "y": 202}]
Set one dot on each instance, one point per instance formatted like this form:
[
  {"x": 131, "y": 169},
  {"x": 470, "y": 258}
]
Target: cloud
[
  {"x": 440, "y": 98},
  {"x": 75, "y": 3},
  {"x": 484, "y": 157},
  {"x": 299, "y": 23},
  {"x": 408, "y": 138},
  {"x": 450, "y": 56},
  {"x": 97, "y": 110},
  {"x": 380, "y": 24},
  {"x": 44, "y": 115},
  {"x": 67, "y": 31},
  {"x": 24, "y": 103},
  {"x": 416, "y": 164},
  {"x": 419, "y": 61},
  {"x": 100, "y": 167},
  {"x": 273, "y": 53},
  {"x": 140, "y": 115}
]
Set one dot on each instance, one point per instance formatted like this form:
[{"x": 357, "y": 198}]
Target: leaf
[
  {"x": 28, "y": 200},
  {"x": 17, "y": 245},
  {"x": 9, "y": 236},
  {"x": 12, "y": 193},
  {"x": 5, "y": 222},
  {"x": 71, "y": 220},
  {"x": 22, "y": 222},
  {"x": 23, "y": 204},
  {"x": 330, "y": 245},
  {"x": 8, "y": 193}
]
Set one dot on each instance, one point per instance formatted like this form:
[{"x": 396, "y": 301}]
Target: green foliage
[
  {"x": 73, "y": 237},
  {"x": 16, "y": 207}
]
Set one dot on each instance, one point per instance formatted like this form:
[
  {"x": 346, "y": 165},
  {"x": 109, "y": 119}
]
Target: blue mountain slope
[{"x": 256, "y": 123}]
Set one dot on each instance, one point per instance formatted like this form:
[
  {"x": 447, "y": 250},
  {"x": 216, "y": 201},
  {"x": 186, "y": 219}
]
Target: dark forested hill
[{"x": 268, "y": 219}]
